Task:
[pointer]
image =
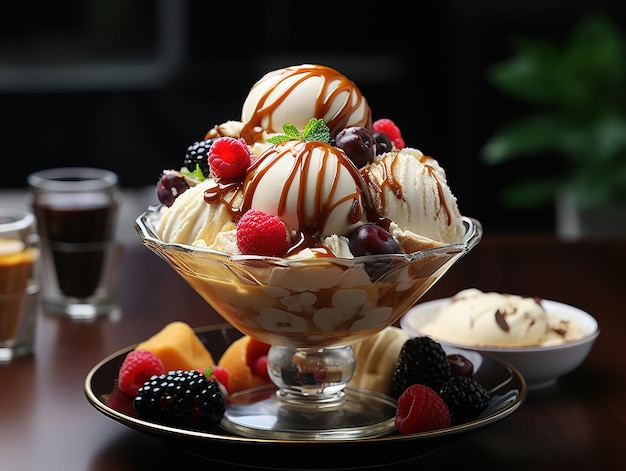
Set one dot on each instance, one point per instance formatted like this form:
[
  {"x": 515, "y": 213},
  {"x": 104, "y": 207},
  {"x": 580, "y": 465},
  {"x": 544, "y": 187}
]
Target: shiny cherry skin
[
  {"x": 371, "y": 239},
  {"x": 460, "y": 365},
  {"x": 170, "y": 186},
  {"x": 358, "y": 144}
]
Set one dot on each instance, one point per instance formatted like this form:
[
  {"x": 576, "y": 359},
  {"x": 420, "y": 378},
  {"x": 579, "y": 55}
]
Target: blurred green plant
[{"x": 578, "y": 92}]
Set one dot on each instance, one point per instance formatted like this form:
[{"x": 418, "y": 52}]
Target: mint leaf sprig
[
  {"x": 196, "y": 174},
  {"x": 315, "y": 130}
]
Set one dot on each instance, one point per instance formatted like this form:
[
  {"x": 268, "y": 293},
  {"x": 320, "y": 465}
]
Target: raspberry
[
  {"x": 261, "y": 233},
  {"x": 421, "y": 409},
  {"x": 256, "y": 357},
  {"x": 229, "y": 157},
  {"x": 399, "y": 142},
  {"x": 221, "y": 374},
  {"x": 137, "y": 368},
  {"x": 387, "y": 126}
]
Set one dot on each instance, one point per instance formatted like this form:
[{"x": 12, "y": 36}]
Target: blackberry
[
  {"x": 197, "y": 154},
  {"x": 181, "y": 398},
  {"x": 466, "y": 398},
  {"x": 421, "y": 361}
]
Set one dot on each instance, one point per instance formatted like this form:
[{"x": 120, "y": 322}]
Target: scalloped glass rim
[{"x": 145, "y": 226}]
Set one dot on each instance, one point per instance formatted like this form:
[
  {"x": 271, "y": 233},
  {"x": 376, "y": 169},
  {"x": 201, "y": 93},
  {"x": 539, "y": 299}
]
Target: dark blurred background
[{"x": 128, "y": 85}]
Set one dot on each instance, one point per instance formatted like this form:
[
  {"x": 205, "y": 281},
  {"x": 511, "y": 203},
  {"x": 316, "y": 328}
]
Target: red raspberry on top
[
  {"x": 387, "y": 126},
  {"x": 260, "y": 233},
  {"x": 421, "y": 409},
  {"x": 136, "y": 369},
  {"x": 229, "y": 157}
]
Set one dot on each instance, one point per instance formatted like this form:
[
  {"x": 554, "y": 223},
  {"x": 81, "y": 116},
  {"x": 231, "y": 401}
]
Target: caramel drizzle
[
  {"x": 310, "y": 223},
  {"x": 395, "y": 186},
  {"x": 333, "y": 84}
]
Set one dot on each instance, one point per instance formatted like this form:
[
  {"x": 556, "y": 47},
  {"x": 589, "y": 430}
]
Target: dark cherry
[
  {"x": 383, "y": 143},
  {"x": 358, "y": 144},
  {"x": 371, "y": 239},
  {"x": 460, "y": 365},
  {"x": 171, "y": 185}
]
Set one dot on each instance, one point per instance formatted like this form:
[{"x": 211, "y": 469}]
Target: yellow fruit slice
[
  {"x": 234, "y": 359},
  {"x": 178, "y": 348}
]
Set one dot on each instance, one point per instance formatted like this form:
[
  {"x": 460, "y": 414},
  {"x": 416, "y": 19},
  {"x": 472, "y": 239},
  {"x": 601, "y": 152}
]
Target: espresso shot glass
[
  {"x": 19, "y": 287},
  {"x": 76, "y": 210}
]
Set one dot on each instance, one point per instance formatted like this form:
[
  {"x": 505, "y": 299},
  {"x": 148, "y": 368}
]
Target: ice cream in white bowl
[{"x": 543, "y": 339}]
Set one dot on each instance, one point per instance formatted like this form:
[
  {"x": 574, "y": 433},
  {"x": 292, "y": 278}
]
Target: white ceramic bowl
[{"x": 540, "y": 366}]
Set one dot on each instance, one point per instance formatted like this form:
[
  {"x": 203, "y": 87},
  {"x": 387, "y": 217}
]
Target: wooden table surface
[{"x": 47, "y": 423}]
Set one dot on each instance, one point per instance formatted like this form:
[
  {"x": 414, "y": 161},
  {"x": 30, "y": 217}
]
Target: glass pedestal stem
[{"x": 310, "y": 399}]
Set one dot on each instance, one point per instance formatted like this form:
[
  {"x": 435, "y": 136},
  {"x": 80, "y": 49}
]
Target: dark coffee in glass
[{"x": 76, "y": 210}]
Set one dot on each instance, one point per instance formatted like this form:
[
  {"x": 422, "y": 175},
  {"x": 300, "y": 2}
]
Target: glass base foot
[{"x": 262, "y": 413}]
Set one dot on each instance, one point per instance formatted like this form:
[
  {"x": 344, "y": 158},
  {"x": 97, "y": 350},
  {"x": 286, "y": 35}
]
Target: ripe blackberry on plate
[
  {"x": 466, "y": 398},
  {"x": 185, "y": 399},
  {"x": 421, "y": 361}
]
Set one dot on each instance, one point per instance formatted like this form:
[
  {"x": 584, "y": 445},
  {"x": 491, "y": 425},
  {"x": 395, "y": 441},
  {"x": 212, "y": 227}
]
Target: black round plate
[{"x": 505, "y": 383}]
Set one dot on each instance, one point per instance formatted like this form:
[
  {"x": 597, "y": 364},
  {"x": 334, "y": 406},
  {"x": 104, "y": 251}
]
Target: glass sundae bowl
[{"x": 311, "y": 311}]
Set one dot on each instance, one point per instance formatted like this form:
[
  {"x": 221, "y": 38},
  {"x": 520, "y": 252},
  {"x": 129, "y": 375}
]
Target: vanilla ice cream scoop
[
  {"x": 411, "y": 190},
  {"x": 313, "y": 187},
  {"x": 294, "y": 95},
  {"x": 193, "y": 221},
  {"x": 492, "y": 319}
]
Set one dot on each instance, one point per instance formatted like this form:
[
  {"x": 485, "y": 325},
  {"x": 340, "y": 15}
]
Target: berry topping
[
  {"x": 421, "y": 360},
  {"x": 358, "y": 144},
  {"x": 181, "y": 398},
  {"x": 371, "y": 239},
  {"x": 387, "y": 126},
  {"x": 170, "y": 186},
  {"x": 197, "y": 157},
  {"x": 138, "y": 366},
  {"x": 421, "y": 409},
  {"x": 465, "y": 397},
  {"x": 383, "y": 143},
  {"x": 221, "y": 374},
  {"x": 260, "y": 233},
  {"x": 460, "y": 365},
  {"x": 229, "y": 157},
  {"x": 260, "y": 367},
  {"x": 256, "y": 357}
]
